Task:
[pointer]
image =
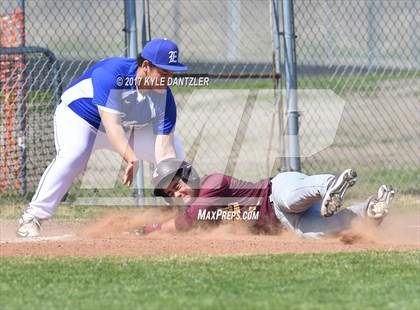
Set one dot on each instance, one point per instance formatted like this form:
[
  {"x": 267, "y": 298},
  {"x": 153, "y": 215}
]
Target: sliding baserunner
[{"x": 310, "y": 206}]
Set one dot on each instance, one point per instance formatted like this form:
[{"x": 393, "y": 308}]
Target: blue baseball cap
[{"x": 164, "y": 54}]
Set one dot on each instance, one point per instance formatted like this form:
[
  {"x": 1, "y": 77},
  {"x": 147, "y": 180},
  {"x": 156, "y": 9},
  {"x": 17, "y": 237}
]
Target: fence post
[
  {"x": 143, "y": 24},
  {"x": 233, "y": 32},
  {"x": 131, "y": 23},
  {"x": 130, "y": 6},
  {"x": 372, "y": 34},
  {"x": 291, "y": 87},
  {"x": 275, "y": 17}
]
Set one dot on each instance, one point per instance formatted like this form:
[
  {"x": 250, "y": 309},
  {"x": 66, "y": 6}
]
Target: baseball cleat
[
  {"x": 333, "y": 199},
  {"x": 378, "y": 207},
  {"x": 28, "y": 228}
]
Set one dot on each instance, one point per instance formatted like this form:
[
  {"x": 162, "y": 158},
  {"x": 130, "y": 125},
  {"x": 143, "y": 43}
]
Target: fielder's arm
[
  {"x": 164, "y": 147},
  {"x": 116, "y": 135}
]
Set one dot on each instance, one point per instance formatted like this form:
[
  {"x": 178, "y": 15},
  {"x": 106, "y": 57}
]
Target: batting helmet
[{"x": 168, "y": 169}]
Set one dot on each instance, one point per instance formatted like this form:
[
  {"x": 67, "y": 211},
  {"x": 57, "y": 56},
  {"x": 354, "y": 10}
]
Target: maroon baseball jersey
[{"x": 224, "y": 198}]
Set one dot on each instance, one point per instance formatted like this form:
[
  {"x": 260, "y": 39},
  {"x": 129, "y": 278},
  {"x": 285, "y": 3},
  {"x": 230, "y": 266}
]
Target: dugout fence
[{"x": 28, "y": 123}]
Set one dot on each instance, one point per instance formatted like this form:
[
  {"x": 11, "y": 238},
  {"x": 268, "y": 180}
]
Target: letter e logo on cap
[{"x": 173, "y": 55}]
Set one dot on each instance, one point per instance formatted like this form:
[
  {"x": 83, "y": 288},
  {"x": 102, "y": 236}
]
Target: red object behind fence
[{"x": 12, "y": 82}]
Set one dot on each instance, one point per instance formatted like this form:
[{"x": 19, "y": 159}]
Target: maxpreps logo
[{"x": 231, "y": 213}]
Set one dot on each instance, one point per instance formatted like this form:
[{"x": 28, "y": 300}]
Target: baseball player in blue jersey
[{"x": 115, "y": 101}]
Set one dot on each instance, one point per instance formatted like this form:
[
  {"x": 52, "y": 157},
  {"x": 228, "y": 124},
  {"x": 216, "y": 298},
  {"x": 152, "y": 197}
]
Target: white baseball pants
[{"x": 75, "y": 140}]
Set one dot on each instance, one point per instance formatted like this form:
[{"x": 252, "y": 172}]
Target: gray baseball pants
[{"x": 296, "y": 200}]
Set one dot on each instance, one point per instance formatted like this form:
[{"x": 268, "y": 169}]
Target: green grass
[
  {"x": 373, "y": 280},
  {"x": 71, "y": 212},
  {"x": 359, "y": 83},
  {"x": 369, "y": 179},
  {"x": 405, "y": 180},
  {"x": 65, "y": 212}
]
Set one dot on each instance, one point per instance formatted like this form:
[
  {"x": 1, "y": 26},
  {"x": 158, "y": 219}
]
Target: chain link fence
[
  {"x": 229, "y": 125},
  {"x": 364, "y": 52},
  {"x": 79, "y": 33},
  {"x": 54, "y": 42}
]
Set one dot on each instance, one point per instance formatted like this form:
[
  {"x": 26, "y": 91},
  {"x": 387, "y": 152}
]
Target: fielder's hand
[{"x": 130, "y": 172}]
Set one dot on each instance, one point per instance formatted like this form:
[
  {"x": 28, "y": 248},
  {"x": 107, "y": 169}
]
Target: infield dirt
[{"x": 110, "y": 235}]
